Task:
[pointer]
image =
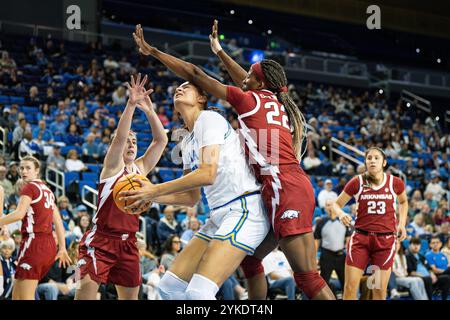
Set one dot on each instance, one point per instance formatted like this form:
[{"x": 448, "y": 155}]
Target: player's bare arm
[
  {"x": 19, "y": 213},
  {"x": 203, "y": 176},
  {"x": 183, "y": 69},
  {"x": 112, "y": 163},
  {"x": 403, "y": 214},
  {"x": 337, "y": 206},
  {"x": 153, "y": 153},
  {"x": 186, "y": 198},
  {"x": 236, "y": 72},
  {"x": 62, "y": 255}
]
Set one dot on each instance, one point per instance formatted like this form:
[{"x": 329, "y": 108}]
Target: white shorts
[{"x": 243, "y": 222}]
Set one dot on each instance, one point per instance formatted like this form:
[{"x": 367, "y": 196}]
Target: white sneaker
[
  {"x": 395, "y": 294},
  {"x": 244, "y": 296}
]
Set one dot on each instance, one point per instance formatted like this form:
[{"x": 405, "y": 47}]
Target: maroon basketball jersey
[
  {"x": 376, "y": 206},
  {"x": 109, "y": 218},
  {"x": 265, "y": 127},
  {"x": 39, "y": 216}
]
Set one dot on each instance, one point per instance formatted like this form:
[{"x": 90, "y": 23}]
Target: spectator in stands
[
  {"x": 58, "y": 126},
  {"x": 231, "y": 289},
  {"x": 5, "y": 183},
  {"x": 418, "y": 225},
  {"x": 331, "y": 237},
  {"x": 13, "y": 173},
  {"x": 33, "y": 97},
  {"x": 7, "y": 64},
  {"x": 418, "y": 266},
  {"x": 168, "y": 226},
  {"x": 90, "y": 149},
  {"x": 149, "y": 261},
  {"x": 171, "y": 248},
  {"x": 414, "y": 284},
  {"x": 439, "y": 217},
  {"x": 326, "y": 194},
  {"x": 73, "y": 163},
  {"x": 102, "y": 147},
  {"x": 65, "y": 212},
  {"x": 19, "y": 132},
  {"x": 437, "y": 260},
  {"x": 55, "y": 159},
  {"x": 7, "y": 268},
  {"x": 45, "y": 113},
  {"x": 190, "y": 212},
  {"x": 429, "y": 200},
  {"x": 81, "y": 227},
  {"x": 435, "y": 187},
  {"x": 311, "y": 163},
  {"x": 446, "y": 249},
  {"x": 80, "y": 210},
  {"x": 45, "y": 134},
  {"x": 351, "y": 172},
  {"x": 14, "y": 197},
  {"x": 29, "y": 147},
  {"x": 194, "y": 226},
  {"x": 119, "y": 97},
  {"x": 279, "y": 273},
  {"x": 40, "y": 58},
  {"x": 110, "y": 64},
  {"x": 72, "y": 138}
]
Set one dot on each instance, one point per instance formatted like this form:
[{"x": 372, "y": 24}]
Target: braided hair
[{"x": 276, "y": 81}]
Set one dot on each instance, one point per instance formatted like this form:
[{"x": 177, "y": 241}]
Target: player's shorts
[
  {"x": 110, "y": 258},
  {"x": 241, "y": 221},
  {"x": 289, "y": 199},
  {"x": 36, "y": 256},
  {"x": 378, "y": 250}
]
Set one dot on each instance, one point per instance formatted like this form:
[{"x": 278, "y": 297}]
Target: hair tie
[{"x": 283, "y": 89}]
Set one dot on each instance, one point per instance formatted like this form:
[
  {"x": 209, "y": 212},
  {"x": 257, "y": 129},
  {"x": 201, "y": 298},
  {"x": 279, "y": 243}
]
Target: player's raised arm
[
  {"x": 113, "y": 163},
  {"x": 183, "y": 69},
  {"x": 236, "y": 72},
  {"x": 154, "y": 151}
]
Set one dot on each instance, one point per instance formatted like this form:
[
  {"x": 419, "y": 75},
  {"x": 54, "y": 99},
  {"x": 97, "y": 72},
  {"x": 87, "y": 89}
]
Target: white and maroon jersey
[
  {"x": 265, "y": 126},
  {"x": 108, "y": 217},
  {"x": 376, "y": 205},
  {"x": 39, "y": 216}
]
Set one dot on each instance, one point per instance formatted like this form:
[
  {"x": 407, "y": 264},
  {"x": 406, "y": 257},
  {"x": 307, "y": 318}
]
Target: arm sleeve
[
  {"x": 398, "y": 185},
  {"x": 352, "y": 187},
  {"x": 30, "y": 190},
  {"x": 211, "y": 129},
  {"x": 241, "y": 101}
]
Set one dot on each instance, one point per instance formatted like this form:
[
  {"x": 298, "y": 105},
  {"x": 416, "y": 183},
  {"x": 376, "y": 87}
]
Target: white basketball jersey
[{"x": 234, "y": 176}]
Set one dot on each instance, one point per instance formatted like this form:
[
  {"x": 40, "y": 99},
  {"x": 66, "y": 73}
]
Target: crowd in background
[{"x": 70, "y": 105}]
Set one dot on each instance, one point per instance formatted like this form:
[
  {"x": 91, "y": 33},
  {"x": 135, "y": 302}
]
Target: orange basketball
[{"x": 124, "y": 184}]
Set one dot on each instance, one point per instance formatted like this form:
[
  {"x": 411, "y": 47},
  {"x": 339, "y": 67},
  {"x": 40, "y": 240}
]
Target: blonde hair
[{"x": 8, "y": 244}]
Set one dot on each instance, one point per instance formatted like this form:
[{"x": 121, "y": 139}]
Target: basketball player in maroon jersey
[
  {"x": 265, "y": 108},
  {"x": 38, "y": 212},
  {"x": 108, "y": 251},
  {"x": 376, "y": 225}
]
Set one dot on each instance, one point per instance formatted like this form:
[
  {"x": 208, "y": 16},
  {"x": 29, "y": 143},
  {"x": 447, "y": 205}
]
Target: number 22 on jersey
[{"x": 273, "y": 116}]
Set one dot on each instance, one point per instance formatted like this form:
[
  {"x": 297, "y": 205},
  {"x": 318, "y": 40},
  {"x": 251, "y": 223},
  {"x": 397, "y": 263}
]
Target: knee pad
[
  {"x": 171, "y": 287},
  {"x": 251, "y": 266},
  {"x": 201, "y": 288},
  {"x": 309, "y": 282}
]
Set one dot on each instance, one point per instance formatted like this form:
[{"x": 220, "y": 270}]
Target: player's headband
[{"x": 257, "y": 68}]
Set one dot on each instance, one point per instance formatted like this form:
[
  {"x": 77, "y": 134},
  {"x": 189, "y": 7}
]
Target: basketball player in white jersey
[{"x": 214, "y": 159}]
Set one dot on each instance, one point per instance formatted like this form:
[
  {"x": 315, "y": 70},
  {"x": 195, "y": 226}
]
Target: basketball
[{"x": 124, "y": 184}]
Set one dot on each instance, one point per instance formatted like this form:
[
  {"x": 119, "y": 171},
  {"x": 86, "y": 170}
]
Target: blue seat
[
  {"x": 18, "y": 100},
  {"x": 178, "y": 173},
  {"x": 92, "y": 176},
  {"x": 70, "y": 176},
  {"x": 82, "y": 183},
  {"x": 181, "y": 217},
  {"x": 93, "y": 167},
  {"x": 4, "y": 99},
  {"x": 423, "y": 246},
  {"x": 66, "y": 149}
]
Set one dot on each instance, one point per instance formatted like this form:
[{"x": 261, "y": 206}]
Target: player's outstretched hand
[
  {"x": 214, "y": 38},
  {"x": 136, "y": 89},
  {"x": 346, "y": 220},
  {"x": 402, "y": 233},
  {"x": 64, "y": 259},
  {"x": 144, "y": 47},
  {"x": 146, "y": 104}
]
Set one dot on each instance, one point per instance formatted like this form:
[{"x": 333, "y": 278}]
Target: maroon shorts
[
  {"x": 289, "y": 200},
  {"x": 110, "y": 258},
  {"x": 36, "y": 256},
  {"x": 378, "y": 250}
]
